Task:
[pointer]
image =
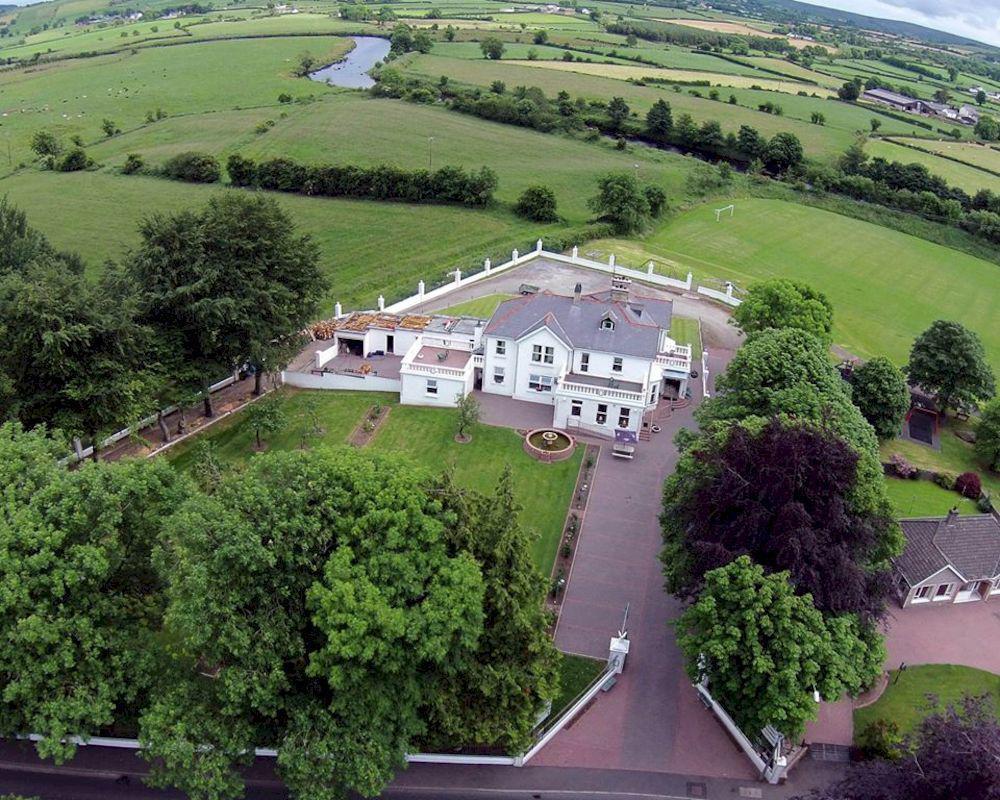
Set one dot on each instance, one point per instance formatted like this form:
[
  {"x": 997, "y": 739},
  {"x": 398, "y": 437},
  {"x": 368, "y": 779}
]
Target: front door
[
  {"x": 968, "y": 592},
  {"x": 390, "y": 344}
]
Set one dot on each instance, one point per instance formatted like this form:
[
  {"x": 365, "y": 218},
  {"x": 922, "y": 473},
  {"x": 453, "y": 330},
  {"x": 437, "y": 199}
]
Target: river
[{"x": 352, "y": 72}]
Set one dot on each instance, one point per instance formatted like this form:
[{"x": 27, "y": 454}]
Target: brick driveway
[{"x": 966, "y": 633}]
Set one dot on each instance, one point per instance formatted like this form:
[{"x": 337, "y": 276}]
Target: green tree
[
  {"x": 980, "y": 97},
  {"x": 659, "y": 120},
  {"x": 541, "y": 36},
  {"x": 385, "y": 15},
  {"x": 988, "y": 129},
  {"x": 468, "y": 415},
  {"x": 988, "y": 435},
  {"x": 321, "y": 621},
  {"x": 229, "y": 284},
  {"x": 264, "y": 417},
  {"x": 46, "y": 146},
  {"x": 449, "y": 33},
  {"x": 657, "y": 200},
  {"x": 492, "y": 47},
  {"x": 80, "y": 609},
  {"x": 784, "y": 303},
  {"x": 879, "y": 390},
  {"x": 749, "y": 141},
  {"x": 618, "y": 112},
  {"x": 621, "y": 202},
  {"x": 850, "y": 91},
  {"x": 401, "y": 40},
  {"x": 499, "y": 693},
  {"x": 764, "y": 650},
  {"x": 422, "y": 42},
  {"x": 537, "y": 203},
  {"x": 948, "y": 360},
  {"x": 783, "y": 151},
  {"x": 304, "y": 65},
  {"x": 110, "y": 127}
]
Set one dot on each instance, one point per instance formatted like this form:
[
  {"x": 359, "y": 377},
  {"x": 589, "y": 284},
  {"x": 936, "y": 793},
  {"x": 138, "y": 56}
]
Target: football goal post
[{"x": 720, "y": 211}]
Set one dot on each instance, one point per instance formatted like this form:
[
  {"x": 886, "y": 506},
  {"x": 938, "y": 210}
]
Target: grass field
[
  {"x": 482, "y": 307},
  {"x": 977, "y": 155},
  {"x": 724, "y": 26},
  {"x": 427, "y": 435},
  {"x": 99, "y": 214},
  {"x": 623, "y": 72},
  {"x": 886, "y": 287},
  {"x": 961, "y": 175},
  {"x": 924, "y": 499},
  {"x": 905, "y": 700}
]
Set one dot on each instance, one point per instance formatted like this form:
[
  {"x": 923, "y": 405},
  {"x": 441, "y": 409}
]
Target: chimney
[
  {"x": 577, "y": 291},
  {"x": 619, "y": 288},
  {"x": 952, "y": 516}
]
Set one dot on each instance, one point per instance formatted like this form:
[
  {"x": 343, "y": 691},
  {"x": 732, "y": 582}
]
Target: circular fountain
[{"x": 548, "y": 444}]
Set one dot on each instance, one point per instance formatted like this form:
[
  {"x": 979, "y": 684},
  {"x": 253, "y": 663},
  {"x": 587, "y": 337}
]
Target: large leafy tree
[
  {"x": 80, "y": 603},
  {"x": 618, "y": 112},
  {"x": 781, "y": 496},
  {"x": 229, "y": 284},
  {"x": 954, "y": 754},
  {"x": 786, "y": 373},
  {"x": 660, "y": 120},
  {"x": 506, "y": 682},
  {"x": 784, "y": 303},
  {"x": 74, "y": 355},
  {"x": 988, "y": 435},
  {"x": 764, "y": 649},
  {"x": 621, "y": 201},
  {"x": 879, "y": 390},
  {"x": 948, "y": 359},
  {"x": 314, "y": 606}
]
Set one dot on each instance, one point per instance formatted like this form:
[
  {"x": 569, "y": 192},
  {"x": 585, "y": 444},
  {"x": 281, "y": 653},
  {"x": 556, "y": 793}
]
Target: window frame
[
  {"x": 540, "y": 383},
  {"x": 576, "y": 408},
  {"x": 500, "y": 349},
  {"x": 431, "y": 387},
  {"x": 536, "y": 354},
  {"x": 584, "y": 362},
  {"x": 499, "y": 374},
  {"x": 601, "y": 414},
  {"x": 617, "y": 364},
  {"x": 624, "y": 417}
]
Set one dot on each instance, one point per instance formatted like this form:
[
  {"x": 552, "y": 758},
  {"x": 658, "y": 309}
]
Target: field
[
  {"x": 723, "y": 26},
  {"x": 962, "y": 175},
  {"x": 624, "y": 72},
  {"x": 427, "y": 435},
  {"x": 905, "y": 700},
  {"x": 481, "y": 307},
  {"x": 886, "y": 286},
  {"x": 100, "y": 212},
  {"x": 975, "y": 154}
]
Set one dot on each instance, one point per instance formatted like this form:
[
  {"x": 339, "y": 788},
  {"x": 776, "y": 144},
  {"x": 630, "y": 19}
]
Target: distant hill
[{"x": 794, "y": 11}]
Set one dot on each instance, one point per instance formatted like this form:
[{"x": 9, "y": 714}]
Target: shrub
[
  {"x": 985, "y": 504},
  {"x": 566, "y": 550},
  {"x": 968, "y": 485},
  {"x": 192, "y": 167},
  {"x": 946, "y": 480},
  {"x": 537, "y": 203},
  {"x": 901, "y": 467},
  {"x": 284, "y": 97},
  {"x": 881, "y": 739},
  {"x": 133, "y": 163},
  {"x": 74, "y": 160}
]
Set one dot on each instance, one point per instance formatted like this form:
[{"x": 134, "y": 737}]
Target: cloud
[{"x": 975, "y": 19}]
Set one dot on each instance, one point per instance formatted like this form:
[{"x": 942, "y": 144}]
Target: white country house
[{"x": 603, "y": 361}]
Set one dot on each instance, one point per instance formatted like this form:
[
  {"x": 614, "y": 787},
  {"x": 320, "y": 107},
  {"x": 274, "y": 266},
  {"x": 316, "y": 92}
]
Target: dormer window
[{"x": 607, "y": 324}]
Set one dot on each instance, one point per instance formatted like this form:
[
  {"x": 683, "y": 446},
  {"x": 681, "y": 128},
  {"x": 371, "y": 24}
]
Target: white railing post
[
  {"x": 538, "y": 246},
  {"x": 338, "y": 310},
  {"x": 690, "y": 280},
  {"x": 420, "y": 290},
  {"x": 576, "y": 252},
  {"x": 513, "y": 255},
  {"x": 458, "y": 276},
  {"x": 487, "y": 266},
  {"x": 729, "y": 289},
  {"x": 381, "y": 303},
  {"x": 611, "y": 260},
  {"x": 649, "y": 268}
]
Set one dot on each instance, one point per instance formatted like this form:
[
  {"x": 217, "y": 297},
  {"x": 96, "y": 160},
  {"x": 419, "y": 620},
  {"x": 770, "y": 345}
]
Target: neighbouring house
[
  {"x": 603, "y": 361},
  {"x": 952, "y": 559},
  {"x": 965, "y": 114},
  {"x": 600, "y": 360}
]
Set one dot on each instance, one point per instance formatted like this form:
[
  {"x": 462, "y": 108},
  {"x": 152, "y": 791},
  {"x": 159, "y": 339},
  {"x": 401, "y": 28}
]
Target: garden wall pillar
[
  {"x": 458, "y": 276},
  {"x": 611, "y": 260},
  {"x": 381, "y": 303},
  {"x": 513, "y": 255},
  {"x": 690, "y": 280},
  {"x": 576, "y": 252},
  {"x": 538, "y": 246},
  {"x": 420, "y": 289},
  {"x": 338, "y": 310},
  {"x": 487, "y": 266},
  {"x": 649, "y": 268}
]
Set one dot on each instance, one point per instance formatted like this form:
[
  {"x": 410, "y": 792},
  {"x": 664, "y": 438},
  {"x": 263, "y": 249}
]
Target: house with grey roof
[
  {"x": 951, "y": 559},
  {"x": 601, "y": 360}
]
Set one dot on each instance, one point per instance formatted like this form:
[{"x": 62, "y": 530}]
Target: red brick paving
[{"x": 963, "y": 633}]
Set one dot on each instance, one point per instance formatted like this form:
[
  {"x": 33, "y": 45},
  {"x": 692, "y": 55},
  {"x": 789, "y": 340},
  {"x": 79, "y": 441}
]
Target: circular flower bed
[{"x": 546, "y": 444}]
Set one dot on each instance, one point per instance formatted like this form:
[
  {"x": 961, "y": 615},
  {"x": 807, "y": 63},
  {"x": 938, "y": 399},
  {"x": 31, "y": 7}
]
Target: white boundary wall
[
  {"x": 331, "y": 380},
  {"x": 723, "y": 297}
]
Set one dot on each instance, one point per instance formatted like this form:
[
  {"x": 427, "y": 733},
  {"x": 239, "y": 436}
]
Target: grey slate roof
[
  {"x": 968, "y": 544},
  {"x": 890, "y": 97},
  {"x": 638, "y": 321}
]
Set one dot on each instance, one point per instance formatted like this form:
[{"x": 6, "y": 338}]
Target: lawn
[
  {"x": 886, "y": 286},
  {"x": 955, "y": 456},
  {"x": 99, "y": 214},
  {"x": 347, "y": 127},
  {"x": 961, "y": 175},
  {"x": 481, "y": 307},
  {"x": 427, "y": 435},
  {"x": 576, "y": 673},
  {"x": 684, "y": 330},
  {"x": 905, "y": 701},
  {"x": 339, "y": 414},
  {"x": 924, "y": 499}
]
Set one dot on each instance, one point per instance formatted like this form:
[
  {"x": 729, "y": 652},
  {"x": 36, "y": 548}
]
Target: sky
[{"x": 976, "y": 19}]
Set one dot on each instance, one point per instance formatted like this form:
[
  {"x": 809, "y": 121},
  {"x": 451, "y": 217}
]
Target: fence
[{"x": 723, "y": 297}]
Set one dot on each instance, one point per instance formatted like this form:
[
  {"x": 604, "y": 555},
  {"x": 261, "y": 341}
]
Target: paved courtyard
[{"x": 966, "y": 633}]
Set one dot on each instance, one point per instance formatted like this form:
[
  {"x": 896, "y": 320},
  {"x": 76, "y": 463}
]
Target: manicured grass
[
  {"x": 921, "y": 498},
  {"x": 99, "y": 214},
  {"x": 427, "y": 435},
  {"x": 684, "y": 330},
  {"x": 576, "y": 673},
  {"x": 905, "y": 702},
  {"x": 482, "y": 307},
  {"x": 352, "y": 128},
  {"x": 339, "y": 414},
  {"x": 73, "y": 97},
  {"x": 625, "y": 72},
  {"x": 955, "y": 456},
  {"x": 961, "y": 175},
  {"x": 886, "y": 287}
]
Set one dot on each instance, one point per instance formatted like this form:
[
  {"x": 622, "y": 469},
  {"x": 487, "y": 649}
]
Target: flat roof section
[{"x": 441, "y": 357}]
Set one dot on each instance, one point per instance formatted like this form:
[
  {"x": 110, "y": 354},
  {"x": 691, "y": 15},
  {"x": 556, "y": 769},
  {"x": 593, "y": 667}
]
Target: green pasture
[
  {"x": 350, "y": 127},
  {"x": 73, "y": 97},
  {"x": 886, "y": 286},
  {"x": 977, "y": 155},
  {"x": 961, "y": 175},
  {"x": 481, "y": 307},
  {"x": 427, "y": 435},
  {"x": 905, "y": 699},
  {"x": 367, "y": 248}
]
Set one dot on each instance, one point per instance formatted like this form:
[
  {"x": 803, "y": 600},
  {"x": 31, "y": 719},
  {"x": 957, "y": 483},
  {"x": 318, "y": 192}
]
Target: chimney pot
[{"x": 577, "y": 291}]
